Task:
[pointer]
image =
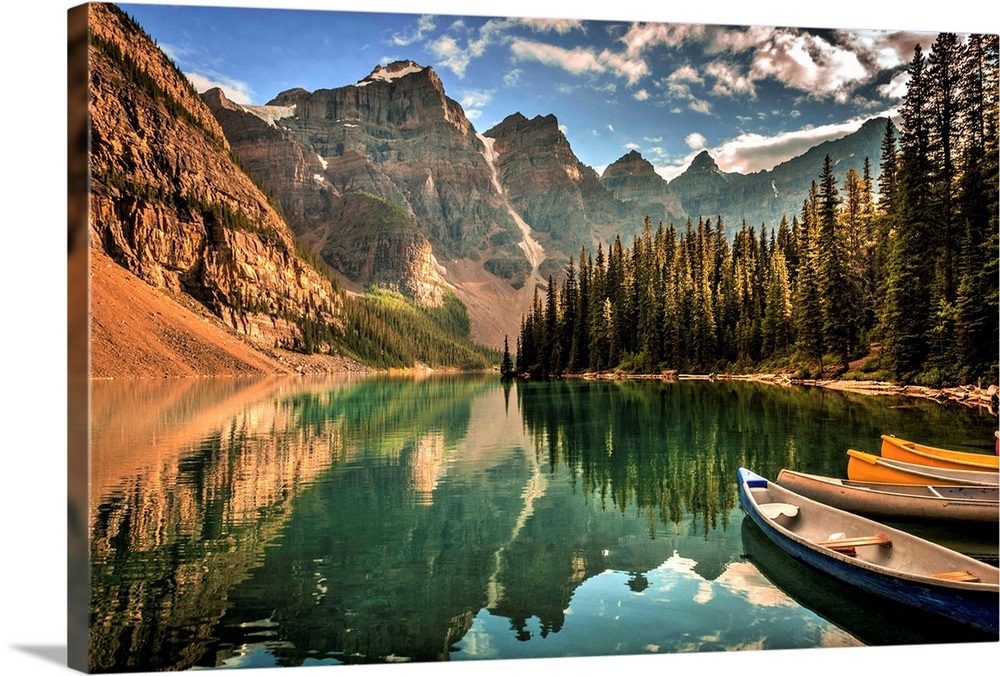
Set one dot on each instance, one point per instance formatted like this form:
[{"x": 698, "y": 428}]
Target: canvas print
[{"x": 399, "y": 337}]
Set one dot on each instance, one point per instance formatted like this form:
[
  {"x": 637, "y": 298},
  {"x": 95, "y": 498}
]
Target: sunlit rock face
[
  {"x": 171, "y": 205},
  {"x": 394, "y": 137}
]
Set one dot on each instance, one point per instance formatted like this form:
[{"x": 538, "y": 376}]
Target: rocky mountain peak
[
  {"x": 703, "y": 162},
  {"x": 289, "y": 97},
  {"x": 517, "y": 123},
  {"x": 393, "y": 71},
  {"x": 404, "y": 73},
  {"x": 632, "y": 163},
  {"x": 216, "y": 99}
]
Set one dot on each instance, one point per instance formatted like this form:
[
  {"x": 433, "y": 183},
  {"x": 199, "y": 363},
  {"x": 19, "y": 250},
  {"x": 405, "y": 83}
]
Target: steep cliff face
[
  {"x": 765, "y": 196},
  {"x": 396, "y": 136},
  {"x": 170, "y": 204},
  {"x": 557, "y": 195}
]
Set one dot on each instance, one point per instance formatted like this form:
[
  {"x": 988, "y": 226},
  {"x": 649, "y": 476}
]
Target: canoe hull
[
  {"x": 956, "y": 508},
  {"x": 971, "y": 606},
  {"x": 895, "y": 448},
  {"x": 867, "y": 467}
]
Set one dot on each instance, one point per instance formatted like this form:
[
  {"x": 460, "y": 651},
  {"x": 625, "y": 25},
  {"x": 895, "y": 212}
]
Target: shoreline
[{"x": 968, "y": 395}]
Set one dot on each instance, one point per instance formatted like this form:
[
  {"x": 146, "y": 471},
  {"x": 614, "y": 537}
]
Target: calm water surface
[{"x": 284, "y": 522}]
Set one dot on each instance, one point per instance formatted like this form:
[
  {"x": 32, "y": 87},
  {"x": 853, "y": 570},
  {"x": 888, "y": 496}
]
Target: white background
[{"x": 32, "y": 325}]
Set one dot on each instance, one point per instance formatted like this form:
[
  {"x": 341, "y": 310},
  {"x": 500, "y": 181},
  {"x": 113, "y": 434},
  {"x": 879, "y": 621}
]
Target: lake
[{"x": 306, "y": 521}]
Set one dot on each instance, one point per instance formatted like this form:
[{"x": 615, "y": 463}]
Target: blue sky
[{"x": 751, "y": 95}]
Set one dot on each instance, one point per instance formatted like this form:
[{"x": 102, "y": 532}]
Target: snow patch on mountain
[{"x": 271, "y": 114}]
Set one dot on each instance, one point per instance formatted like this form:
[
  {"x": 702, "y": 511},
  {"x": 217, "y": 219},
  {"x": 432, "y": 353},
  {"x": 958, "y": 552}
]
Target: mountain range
[
  {"x": 490, "y": 215},
  {"x": 264, "y": 219}
]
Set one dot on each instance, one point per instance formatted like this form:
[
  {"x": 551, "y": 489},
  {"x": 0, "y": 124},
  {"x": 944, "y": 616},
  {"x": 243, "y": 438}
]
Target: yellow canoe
[
  {"x": 895, "y": 448},
  {"x": 867, "y": 467}
]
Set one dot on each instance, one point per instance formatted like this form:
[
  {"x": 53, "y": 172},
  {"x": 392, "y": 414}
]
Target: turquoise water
[{"x": 284, "y": 522}]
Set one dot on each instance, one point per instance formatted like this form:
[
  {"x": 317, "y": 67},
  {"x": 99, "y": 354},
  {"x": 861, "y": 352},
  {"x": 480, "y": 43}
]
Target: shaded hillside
[
  {"x": 632, "y": 178},
  {"x": 766, "y": 196},
  {"x": 561, "y": 197}
]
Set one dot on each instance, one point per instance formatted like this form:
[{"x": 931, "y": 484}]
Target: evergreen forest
[{"x": 898, "y": 275}]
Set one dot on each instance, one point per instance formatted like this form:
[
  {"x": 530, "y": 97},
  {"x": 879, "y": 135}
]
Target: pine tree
[
  {"x": 976, "y": 301},
  {"x": 855, "y": 240},
  {"x": 885, "y": 215},
  {"x": 506, "y": 364},
  {"x": 808, "y": 311},
  {"x": 943, "y": 77},
  {"x": 906, "y": 320},
  {"x": 551, "y": 351},
  {"x": 568, "y": 315},
  {"x": 776, "y": 327},
  {"x": 579, "y": 352},
  {"x": 831, "y": 272}
]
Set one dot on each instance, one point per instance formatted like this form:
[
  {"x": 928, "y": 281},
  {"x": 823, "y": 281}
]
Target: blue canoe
[{"x": 873, "y": 557}]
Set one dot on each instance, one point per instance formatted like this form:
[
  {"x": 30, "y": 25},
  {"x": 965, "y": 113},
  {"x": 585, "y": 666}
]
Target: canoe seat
[
  {"x": 772, "y": 510},
  {"x": 957, "y": 576},
  {"x": 847, "y": 545}
]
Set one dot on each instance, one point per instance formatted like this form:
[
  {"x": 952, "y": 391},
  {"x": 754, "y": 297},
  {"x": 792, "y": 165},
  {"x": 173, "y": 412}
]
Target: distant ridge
[{"x": 765, "y": 196}]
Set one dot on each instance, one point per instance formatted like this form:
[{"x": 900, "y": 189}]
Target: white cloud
[
  {"x": 686, "y": 73},
  {"x": 575, "y": 61},
  {"x": 641, "y": 95},
  {"x": 729, "y": 81},
  {"x": 474, "y": 98},
  {"x": 677, "y": 83},
  {"x": 425, "y": 24},
  {"x": 695, "y": 141},
  {"x": 561, "y": 26},
  {"x": 752, "y": 152},
  {"x": 679, "y": 90},
  {"x": 564, "y": 129},
  {"x": 580, "y": 60},
  {"x": 738, "y": 40},
  {"x": 632, "y": 146},
  {"x": 449, "y": 54},
  {"x": 513, "y": 77},
  {"x": 701, "y": 107},
  {"x": 632, "y": 69},
  {"x": 642, "y": 36},
  {"x": 809, "y": 63},
  {"x": 611, "y": 129},
  {"x": 235, "y": 90},
  {"x": 886, "y": 49},
  {"x": 896, "y": 87}
]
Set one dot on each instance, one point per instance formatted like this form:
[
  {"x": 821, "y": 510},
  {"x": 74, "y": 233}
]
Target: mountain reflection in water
[{"x": 290, "y": 521}]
